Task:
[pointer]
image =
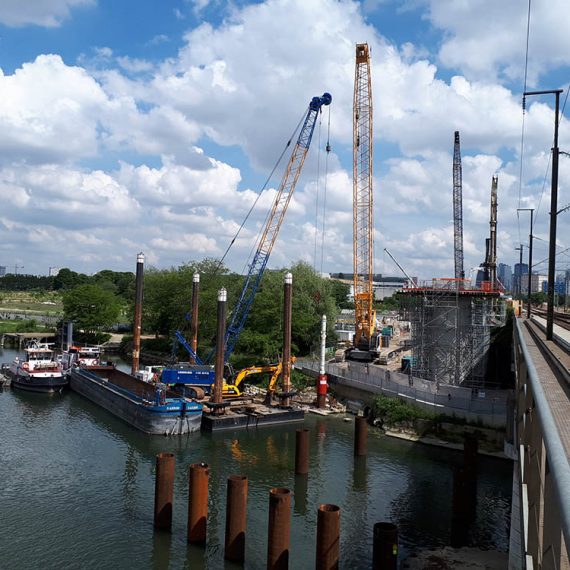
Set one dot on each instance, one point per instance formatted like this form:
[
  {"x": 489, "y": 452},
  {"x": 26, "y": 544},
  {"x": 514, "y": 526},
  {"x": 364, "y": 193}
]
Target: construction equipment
[
  {"x": 411, "y": 282},
  {"x": 274, "y": 221},
  {"x": 365, "y": 337},
  {"x": 234, "y": 389},
  {"x": 490, "y": 265},
  {"x": 269, "y": 235},
  {"x": 457, "y": 209}
]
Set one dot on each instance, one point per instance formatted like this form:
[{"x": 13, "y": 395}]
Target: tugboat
[{"x": 38, "y": 371}]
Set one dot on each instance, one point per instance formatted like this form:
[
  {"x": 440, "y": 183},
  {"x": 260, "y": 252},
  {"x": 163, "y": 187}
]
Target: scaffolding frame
[{"x": 450, "y": 325}]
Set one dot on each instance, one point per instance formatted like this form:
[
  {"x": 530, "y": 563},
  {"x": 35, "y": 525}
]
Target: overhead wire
[
  {"x": 328, "y": 150},
  {"x": 287, "y": 145},
  {"x": 317, "y": 196},
  {"x": 523, "y": 116}
]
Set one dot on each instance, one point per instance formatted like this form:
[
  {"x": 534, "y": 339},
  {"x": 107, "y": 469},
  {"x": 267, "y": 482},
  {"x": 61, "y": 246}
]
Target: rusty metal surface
[
  {"x": 164, "y": 491},
  {"x": 279, "y": 529},
  {"x": 236, "y": 515},
  {"x": 198, "y": 479},
  {"x": 360, "y": 436},
  {"x": 328, "y": 537},
  {"x": 138, "y": 313},
  {"x": 217, "y": 392}
]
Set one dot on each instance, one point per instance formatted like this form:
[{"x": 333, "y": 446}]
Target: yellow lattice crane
[{"x": 365, "y": 337}]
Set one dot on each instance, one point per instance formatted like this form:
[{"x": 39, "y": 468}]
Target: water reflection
[
  {"x": 300, "y": 494},
  {"x": 161, "y": 547},
  {"x": 93, "y": 475}
]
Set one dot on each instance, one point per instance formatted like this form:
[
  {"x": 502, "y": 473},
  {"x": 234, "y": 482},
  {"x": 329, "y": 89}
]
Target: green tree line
[{"x": 96, "y": 303}]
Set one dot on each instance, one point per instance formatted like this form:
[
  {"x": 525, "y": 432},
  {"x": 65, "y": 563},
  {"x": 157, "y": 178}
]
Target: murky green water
[{"x": 77, "y": 490}]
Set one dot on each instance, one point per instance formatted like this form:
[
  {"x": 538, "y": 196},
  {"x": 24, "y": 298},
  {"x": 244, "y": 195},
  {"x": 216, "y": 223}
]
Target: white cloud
[
  {"x": 486, "y": 38},
  {"x": 46, "y": 13}
]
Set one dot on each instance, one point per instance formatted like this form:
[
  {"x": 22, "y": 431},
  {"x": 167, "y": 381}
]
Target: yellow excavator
[{"x": 234, "y": 389}]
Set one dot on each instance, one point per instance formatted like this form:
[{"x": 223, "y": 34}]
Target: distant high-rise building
[
  {"x": 53, "y": 271},
  {"x": 2, "y": 270},
  {"x": 521, "y": 271},
  {"x": 505, "y": 275}
]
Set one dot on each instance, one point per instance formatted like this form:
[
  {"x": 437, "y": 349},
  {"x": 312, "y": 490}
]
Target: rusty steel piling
[
  {"x": 138, "y": 314},
  {"x": 328, "y": 537},
  {"x": 217, "y": 393},
  {"x": 385, "y": 546},
  {"x": 194, "y": 319},
  {"x": 279, "y": 529},
  {"x": 287, "y": 314},
  {"x": 302, "y": 452},
  {"x": 164, "y": 491},
  {"x": 198, "y": 478},
  {"x": 360, "y": 436},
  {"x": 236, "y": 511}
]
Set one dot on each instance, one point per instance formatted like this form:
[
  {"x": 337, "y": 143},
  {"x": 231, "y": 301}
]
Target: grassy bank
[{"x": 394, "y": 415}]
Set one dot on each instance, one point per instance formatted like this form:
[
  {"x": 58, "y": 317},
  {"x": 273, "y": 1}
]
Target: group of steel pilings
[{"x": 327, "y": 555}]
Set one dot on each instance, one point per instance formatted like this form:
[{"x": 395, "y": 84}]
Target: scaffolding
[{"x": 450, "y": 323}]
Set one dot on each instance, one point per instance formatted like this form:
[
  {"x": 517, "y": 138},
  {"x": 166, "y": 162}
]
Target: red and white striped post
[{"x": 322, "y": 385}]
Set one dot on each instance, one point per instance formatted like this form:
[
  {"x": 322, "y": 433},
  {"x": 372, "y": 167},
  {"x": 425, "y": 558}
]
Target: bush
[{"x": 392, "y": 410}]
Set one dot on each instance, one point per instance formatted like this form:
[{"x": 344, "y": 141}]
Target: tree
[
  {"x": 67, "y": 279},
  {"x": 91, "y": 308}
]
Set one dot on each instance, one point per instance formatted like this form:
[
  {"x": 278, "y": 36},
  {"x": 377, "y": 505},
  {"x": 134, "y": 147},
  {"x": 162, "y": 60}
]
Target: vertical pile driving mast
[
  {"x": 365, "y": 317},
  {"x": 490, "y": 264},
  {"x": 493, "y": 233},
  {"x": 457, "y": 210}
]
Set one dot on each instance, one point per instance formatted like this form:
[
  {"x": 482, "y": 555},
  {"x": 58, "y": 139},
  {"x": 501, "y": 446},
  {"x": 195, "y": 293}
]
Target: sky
[{"x": 153, "y": 126}]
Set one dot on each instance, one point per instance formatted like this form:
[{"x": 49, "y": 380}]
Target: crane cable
[
  {"x": 260, "y": 193},
  {"x": 266, "y": 219},
  {"x": 328, "y": 150},
  {"x": 317, "y": 197}
]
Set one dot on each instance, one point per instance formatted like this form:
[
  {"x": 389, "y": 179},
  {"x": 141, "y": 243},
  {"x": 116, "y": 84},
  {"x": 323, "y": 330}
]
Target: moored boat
[
  {"x": 37, "y": 371},
  {"x": 151, "y": 408},
  {"x": 84, "y": 357}
]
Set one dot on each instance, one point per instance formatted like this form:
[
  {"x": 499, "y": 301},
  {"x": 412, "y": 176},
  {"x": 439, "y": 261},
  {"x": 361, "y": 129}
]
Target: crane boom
[
  {"x": 457, "y": 209},
  {"x": 365, "y": 318},
  {"x": 269, "y": 235},
  {"x": 400, "y": 268}
]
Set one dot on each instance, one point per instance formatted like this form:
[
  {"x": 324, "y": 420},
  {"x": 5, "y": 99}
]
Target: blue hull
[{"x": 134, "y": 402}]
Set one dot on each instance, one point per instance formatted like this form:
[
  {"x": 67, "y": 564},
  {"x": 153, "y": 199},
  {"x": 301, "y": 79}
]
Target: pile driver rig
[
  {"x": 259, "y": 263},
  {"x": 365, "y": 338}
]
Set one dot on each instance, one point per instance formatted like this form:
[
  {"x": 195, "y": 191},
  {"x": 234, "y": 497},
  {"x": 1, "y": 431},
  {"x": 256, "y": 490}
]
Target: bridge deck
[{"x": 556, "y": 391}]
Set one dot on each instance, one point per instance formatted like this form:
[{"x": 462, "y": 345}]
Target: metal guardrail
[{"x": 531, "y": 392}]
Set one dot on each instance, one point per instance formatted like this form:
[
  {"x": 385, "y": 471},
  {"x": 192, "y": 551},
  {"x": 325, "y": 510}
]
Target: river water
[{"x": 77, "y": 490}]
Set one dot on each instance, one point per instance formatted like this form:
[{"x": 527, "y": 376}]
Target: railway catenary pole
[
  {"x": 553, "y": 211},
  {"x": 528, "y": 308}
]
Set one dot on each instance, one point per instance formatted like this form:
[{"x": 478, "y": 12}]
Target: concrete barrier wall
[{"x": 488, "y": 408}]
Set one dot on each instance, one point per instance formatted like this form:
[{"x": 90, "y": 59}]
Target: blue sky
[{"x": 151, "y": 126}]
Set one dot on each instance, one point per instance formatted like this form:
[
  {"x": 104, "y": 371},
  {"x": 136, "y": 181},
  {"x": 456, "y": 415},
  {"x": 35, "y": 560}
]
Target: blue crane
[{"x": 269, "y": 235}]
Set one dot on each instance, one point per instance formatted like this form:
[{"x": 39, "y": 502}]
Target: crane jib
[{"x": 269, "y": 235}]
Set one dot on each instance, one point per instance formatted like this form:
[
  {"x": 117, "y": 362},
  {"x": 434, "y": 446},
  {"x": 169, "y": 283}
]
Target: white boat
[
  {"x": 82, "y": 356},
  {"x": 37, "y": 371}
]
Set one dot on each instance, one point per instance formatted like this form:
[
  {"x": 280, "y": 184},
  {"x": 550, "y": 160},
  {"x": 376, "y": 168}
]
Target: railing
[
  {"x": 487, "y": 407},
  {"x": 544, "y": 471}
]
